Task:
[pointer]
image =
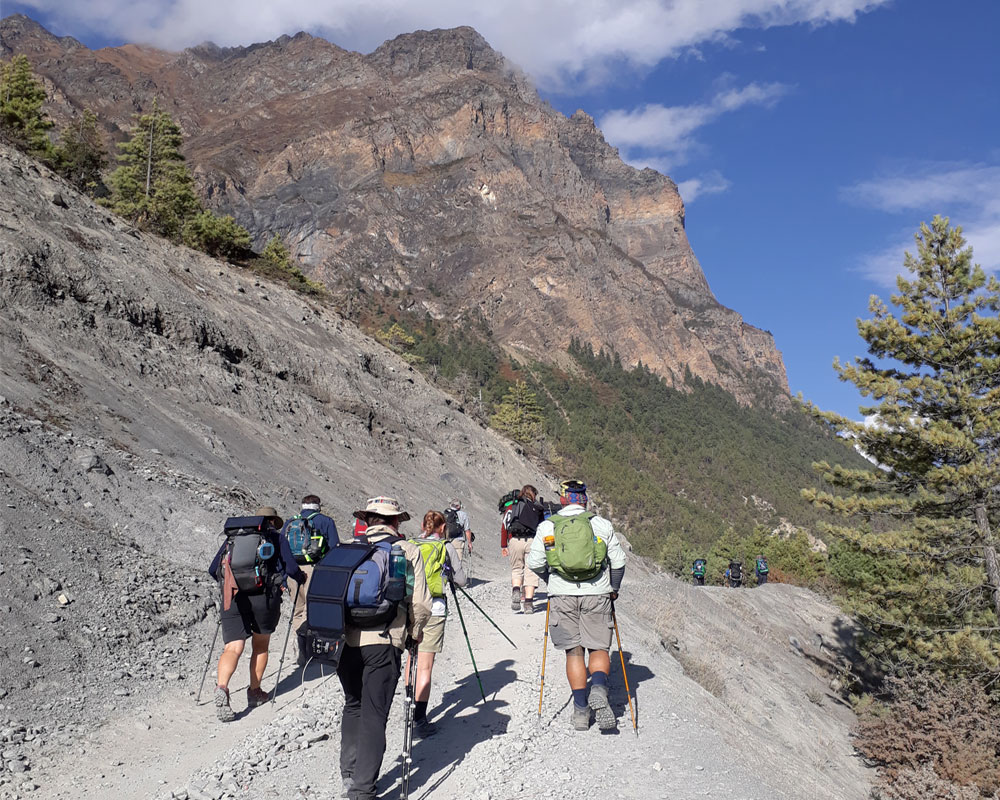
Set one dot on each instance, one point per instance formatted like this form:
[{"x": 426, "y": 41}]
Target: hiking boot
[
  {"x": 603, "y": 712},
  {"x": 348, "y": 784},
  {"x": 222, "y": 708},
  {"x": 581, "y": 717},
  {"x": 257, "y": 697},
  {"x": 515, "y": 599},
  {"x": 424, "y": 728},
  {"x": 529, "y": 606}
]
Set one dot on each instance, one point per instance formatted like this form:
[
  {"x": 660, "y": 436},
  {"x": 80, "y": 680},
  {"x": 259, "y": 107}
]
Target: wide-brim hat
[
  {"x": 272, "y": 513},
  {"x": 383, "y": 507}
]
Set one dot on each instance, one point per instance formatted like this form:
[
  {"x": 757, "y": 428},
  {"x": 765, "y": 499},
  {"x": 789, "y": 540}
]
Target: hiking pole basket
[
  {"x": 458, "y": 608},
  {"x": 411, "y": 701},
  {"x": 208, "y": 660},
  {"x": 281, "y": 661},
  {"x": 545, "y": 649},
  {"x": 621, "y": 655},
  {"x": 489, "y": 619}
]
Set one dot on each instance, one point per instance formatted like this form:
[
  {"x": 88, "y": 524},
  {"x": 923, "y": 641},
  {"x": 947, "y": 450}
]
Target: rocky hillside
[
  {"x": 431, "y": 170},
  {"x": 148, "y": 392}
]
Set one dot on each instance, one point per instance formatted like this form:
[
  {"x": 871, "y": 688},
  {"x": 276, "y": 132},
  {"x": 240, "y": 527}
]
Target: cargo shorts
[{"x": 581, "y": 621}]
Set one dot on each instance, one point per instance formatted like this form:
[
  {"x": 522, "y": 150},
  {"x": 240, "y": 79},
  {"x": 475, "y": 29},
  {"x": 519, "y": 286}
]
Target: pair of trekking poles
[{"x": 621, "y": 655}]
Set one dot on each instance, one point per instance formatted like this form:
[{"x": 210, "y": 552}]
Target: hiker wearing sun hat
[
  {"x": 370, "y": 663},
  {"x": 252, "y": 567}
]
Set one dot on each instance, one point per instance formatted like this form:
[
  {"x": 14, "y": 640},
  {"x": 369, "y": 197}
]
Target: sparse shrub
[
  {"x": 933, "y": 728},
  {"x": 702, "y": 673},
  {"x": 217, "y": 236},
  {"x": 815, "y": 696}
]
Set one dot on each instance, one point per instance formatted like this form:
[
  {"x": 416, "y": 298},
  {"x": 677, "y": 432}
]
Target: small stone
[
  {"x": 50, "y": 617},
  {"x": 88, "y": 504},
  {"x": 171, "y": 676},
  {"x": 64, "y": 599},
  {"x": 657, "y": 766},
  {"x": 700, "y": 768}
]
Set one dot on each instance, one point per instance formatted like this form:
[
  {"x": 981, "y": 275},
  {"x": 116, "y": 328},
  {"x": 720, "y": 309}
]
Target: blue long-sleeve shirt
[{"x": 286, "y": 561}]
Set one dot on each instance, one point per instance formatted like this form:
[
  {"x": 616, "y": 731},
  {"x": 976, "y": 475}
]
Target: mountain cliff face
[{"x": 432, "y": 169}]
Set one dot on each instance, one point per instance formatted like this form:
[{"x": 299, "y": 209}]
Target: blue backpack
[
  {"x": 307, "y": 544},
  {"x": 358, "y": 583}
]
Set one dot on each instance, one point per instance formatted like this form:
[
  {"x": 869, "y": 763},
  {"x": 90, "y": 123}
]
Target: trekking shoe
[
  {"x": 348, "y": 784},
  {"x": 222, "y": 708},
  {"x": 257, "y": 697},
  {"x": 581, "y": 717},
  {"x": 529, "y": 606},
  {"x": 603, "y": 712},
  {"x": 515, "y": 600},
  {"x": 424, "y": 728}
]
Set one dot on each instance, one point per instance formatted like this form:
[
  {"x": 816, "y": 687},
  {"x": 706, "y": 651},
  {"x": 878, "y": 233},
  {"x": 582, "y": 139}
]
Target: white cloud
[
  {"x": 709, "y": 183},
  {"x": 667, "y": 130},
  {"x": 969, "y": 194},
  {"x": 560, "y": 43}
]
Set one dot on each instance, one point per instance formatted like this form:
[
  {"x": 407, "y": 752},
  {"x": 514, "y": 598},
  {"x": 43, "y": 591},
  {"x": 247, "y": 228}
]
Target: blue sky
[{"x": 809, "y": 137}]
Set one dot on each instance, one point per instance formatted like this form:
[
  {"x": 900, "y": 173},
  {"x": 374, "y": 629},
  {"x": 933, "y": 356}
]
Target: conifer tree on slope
[
  {"x": 21, "y": 117},
  {"x": 519, "y": 415},
  {"x": 152, "y": 186},
  {"x": 925, "y": 521}
]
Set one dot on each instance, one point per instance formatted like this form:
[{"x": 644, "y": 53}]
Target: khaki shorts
[
  {"x": 517, "y": 548},
  {"x": 433, "y": 641},
  {"x": 576, "y": 621},
  {"x": 299, "y": 614}
]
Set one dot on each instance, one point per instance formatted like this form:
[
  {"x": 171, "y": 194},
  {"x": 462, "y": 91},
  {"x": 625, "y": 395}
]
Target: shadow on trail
[
  {"x": 637, "y": 674},
  {"x": 457, "y": 735}
]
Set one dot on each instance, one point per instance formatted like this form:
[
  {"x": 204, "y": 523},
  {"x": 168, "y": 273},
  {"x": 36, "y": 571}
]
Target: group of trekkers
[
  {"x": 733, "y": 576},
  {"x": 359, "y": 604}
]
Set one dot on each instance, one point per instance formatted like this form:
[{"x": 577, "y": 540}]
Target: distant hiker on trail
[
  {"x": 734, "y": 575},
  {"x": 517, "y": 529},
  {"x": 310, "y": 535},
  {"x": 370, "y": 662},
  {"x": 252, "y": 567},
  {"x": 762, "y": 570},
  {"x": 585, "y": 564},
  {"x": 698, "y": 571},
  {"x": 440, "y": 564},
  {"x": 457, "y": 529}
]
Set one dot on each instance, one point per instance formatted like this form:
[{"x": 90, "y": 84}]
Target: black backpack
[
  {"x": 508, "y": 500},
  {"x": 355, "y": 583},
  {"x": 453, "y": 529},
  {"x": 522, "y": 518},
  {"x": 251, "y": 553},
  {"x": 736, "y": 570}
]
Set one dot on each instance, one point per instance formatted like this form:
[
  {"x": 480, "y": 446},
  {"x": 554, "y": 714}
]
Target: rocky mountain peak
[{"x": 445, "y": 49}]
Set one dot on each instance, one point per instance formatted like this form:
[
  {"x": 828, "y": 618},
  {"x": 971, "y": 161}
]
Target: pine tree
[
  {"x": 152, "y": 186},
  {"x": 219, "y": 236},
  {"x": 923, "y": 522},
  {"x": 276, "y": 253},
  {"x": 81, "y": 154},
  {"x": 519, "y": 415},
  {"x": 22, "y": 120}
]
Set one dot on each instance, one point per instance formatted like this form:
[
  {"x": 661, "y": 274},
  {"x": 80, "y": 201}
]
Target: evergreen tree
[
  {"x": 81, "y": 154},
  {"x": 152, "y": 186},
  {"x": 519, "y": 415},
  {"x": 923, "y": 522},
  {"x": 276, "y": 253},
  {"x": 217, "y": 235},
  {"x": 22, "y": 120}
]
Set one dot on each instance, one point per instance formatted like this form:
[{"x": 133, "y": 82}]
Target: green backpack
[
  {"x": 434, "y": 553},
  {"x": 578, "y": 553}
]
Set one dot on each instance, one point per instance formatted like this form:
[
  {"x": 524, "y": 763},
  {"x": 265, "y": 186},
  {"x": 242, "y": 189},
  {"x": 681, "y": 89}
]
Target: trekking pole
[
  {"x": 465, "y": 633},
  {"x": 281, "y": 661},
  {"x": 545, "y": 649},
  {"x": 621, "y": 655},
  {"x": 411, "y": 681},
  {"x": 208, "y": 660},
  {"x": 469, "y": 598}
]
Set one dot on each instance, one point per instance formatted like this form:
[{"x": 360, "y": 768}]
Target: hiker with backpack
[
  {"x": 310, "y": 535},
  {"x": 734, "y": 575},
  {"x": 372, "y": 654},
  {"x": 457, "y": 529},
  {"x": 517, "y": 529},
  {"x": 698, "y": 571},
  {"x": 441, "y": 566},
  {"x": 762, "y": 570},
  {"x": 252, "y": 567},
  {"x": 584, "y": 563}
]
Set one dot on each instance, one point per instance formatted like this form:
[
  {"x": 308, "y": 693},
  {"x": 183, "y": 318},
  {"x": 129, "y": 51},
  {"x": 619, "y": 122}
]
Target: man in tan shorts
[{"x": 517, "y": 529}]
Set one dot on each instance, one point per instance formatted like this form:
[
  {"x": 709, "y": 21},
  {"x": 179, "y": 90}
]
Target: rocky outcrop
[{"x": 432, "y": 168}]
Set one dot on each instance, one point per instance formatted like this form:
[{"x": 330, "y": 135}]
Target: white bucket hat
[{"x": 384, "y": 507}]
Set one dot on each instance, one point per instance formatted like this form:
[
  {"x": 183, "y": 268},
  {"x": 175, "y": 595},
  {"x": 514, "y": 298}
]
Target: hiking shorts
[
  {"x": 433, "y": 641},
  {"x": 581, "y": 621},
  {"x": 517, "y": 548},
  {"x": 250, "y": 613}
]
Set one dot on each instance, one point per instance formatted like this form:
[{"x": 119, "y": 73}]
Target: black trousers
[
  {"x": 761, "y": 578},
  {"x": 369, "y": 675}
]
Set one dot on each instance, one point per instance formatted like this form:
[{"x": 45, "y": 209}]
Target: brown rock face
[{"x": 431, "y": 166}]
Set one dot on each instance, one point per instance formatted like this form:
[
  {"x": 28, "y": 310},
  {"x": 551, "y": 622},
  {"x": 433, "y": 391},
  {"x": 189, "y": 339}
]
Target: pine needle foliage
[
  {"x": 22, "y": 120},
  {"x": 519, "y": 414},
  {"x": 919, "y": 553},
  {"x": 81, "y": 154}
]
